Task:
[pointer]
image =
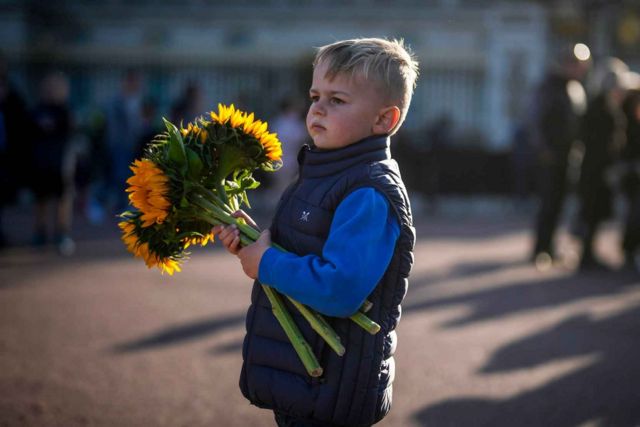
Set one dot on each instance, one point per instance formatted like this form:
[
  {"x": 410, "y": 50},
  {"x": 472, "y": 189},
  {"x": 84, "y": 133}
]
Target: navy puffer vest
[{"x": 355, "y": 389}]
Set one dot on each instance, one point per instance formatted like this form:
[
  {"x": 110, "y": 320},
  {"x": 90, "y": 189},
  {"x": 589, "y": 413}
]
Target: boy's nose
[{"x": 316, "y": 109}]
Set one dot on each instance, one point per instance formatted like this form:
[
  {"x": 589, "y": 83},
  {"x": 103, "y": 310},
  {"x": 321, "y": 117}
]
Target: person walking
[
  {"x": 15, "y": 128},
  {"x": 603, "y": 135},
  {"x": 559, "y": 102},
  {"x": 122, "y": 132},
  {"x": 51, "y": 177},
  {"x": 630, "y": 161}
]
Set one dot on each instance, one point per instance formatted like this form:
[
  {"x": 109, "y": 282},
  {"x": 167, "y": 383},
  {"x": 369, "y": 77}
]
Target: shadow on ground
[
  {"x": 180, "y": 334},
  {"x": 605, "y": 391},
  {"x": 522, "y": 296}
]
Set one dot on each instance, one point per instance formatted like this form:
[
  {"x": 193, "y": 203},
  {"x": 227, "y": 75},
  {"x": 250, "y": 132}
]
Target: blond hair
[{"x": 387, "y": 62}]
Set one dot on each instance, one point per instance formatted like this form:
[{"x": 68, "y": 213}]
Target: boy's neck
[{"x": 367, "y": 138}]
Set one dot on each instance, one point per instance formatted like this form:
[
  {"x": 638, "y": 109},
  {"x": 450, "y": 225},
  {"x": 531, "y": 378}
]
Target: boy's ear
[{"x": 387, "y": 120}]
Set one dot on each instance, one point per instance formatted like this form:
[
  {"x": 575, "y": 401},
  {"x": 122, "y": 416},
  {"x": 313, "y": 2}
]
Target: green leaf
[
  {"x": 245, "y": 199},
  {"x": 249, "y": 183},
  {"x": 176, "y": 151},
  {"x": 194, "y": 162}
]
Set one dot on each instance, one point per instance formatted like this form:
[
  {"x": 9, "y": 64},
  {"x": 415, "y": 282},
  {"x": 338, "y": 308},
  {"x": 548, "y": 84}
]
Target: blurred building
[{"x": 479, "y": 58}]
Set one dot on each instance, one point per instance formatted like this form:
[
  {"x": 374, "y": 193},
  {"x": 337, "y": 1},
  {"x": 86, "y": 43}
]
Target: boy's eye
[
  {"x": 314, "y": 98},
  {"x": 337, "y": 101}
]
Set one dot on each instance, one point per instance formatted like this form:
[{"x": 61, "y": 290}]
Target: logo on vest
[{"x": 305, "y": 216}]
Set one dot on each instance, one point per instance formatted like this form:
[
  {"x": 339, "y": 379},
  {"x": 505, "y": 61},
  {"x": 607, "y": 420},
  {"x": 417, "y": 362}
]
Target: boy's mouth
[{"x": 317, "y": 127}]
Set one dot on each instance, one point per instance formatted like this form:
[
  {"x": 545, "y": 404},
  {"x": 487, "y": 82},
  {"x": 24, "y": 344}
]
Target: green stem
[
  {"x": 317, "y": 322},
  {"x": 293, "y": 333},
  {"x": 321, "y": 326},
  {"x": 300, "y": 345},
  {"x": 222, "y": 192},
  {"x": 365, "y": 323},
  {"x": 359, "y": 318},
  {"x": 225, "y": 217},
  {"x": 212, "y": 197},
  {"x": 366, "y": 306},
  {"x": 209, "y": 219},
  {"x": 210, "y": 201}
]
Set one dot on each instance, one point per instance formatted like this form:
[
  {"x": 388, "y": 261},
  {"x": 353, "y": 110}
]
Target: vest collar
[{"x": 315, "y": 163}]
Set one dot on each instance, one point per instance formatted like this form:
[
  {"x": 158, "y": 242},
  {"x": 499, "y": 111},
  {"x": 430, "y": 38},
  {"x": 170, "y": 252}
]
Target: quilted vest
[{"x": 355, "y": 389}]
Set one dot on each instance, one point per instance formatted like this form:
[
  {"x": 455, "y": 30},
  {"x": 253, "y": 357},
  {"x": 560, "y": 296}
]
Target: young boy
[{"x": 347, "y": 224}]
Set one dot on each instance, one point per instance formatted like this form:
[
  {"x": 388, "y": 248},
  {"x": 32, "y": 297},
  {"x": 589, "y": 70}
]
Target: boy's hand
[
  {"x": 229, "y": 235},
  {"x": 251, "y": 255}
]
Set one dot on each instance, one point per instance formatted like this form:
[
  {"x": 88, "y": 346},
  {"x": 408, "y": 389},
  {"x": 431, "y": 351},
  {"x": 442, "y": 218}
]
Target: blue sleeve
[{"x": 356, "y": 254}]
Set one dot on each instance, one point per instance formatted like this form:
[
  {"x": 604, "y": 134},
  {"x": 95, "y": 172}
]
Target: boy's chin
[{"x": 321, "y": 144}]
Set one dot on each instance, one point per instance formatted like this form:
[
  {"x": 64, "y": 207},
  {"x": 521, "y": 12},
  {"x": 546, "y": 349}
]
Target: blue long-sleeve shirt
[{"x": 355, "y": 255}]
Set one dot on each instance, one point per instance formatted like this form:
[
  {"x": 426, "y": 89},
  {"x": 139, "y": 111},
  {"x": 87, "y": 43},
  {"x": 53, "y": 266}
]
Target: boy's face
[{"x": 343, "y": 110}]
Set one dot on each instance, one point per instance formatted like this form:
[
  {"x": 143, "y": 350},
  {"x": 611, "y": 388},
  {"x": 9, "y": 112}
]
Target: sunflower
[
  {"x": 191, "y": 128},
  {"x": 228, "y": 114},
  {"x": 269, "y": 141},
  {"x": 134, "y": 238},
  {"x": 152, "y": 259},
  {"x": 195, "y": 131},
  {"x": 148, "y": 192},
  {"x": 250, "y": 126},
  {"x": 271, "y": 145},
  {"x": 194, "y": 232},
  {"x": 203, "y": 136},
  {"x": 208, "y": 159},
  {"x": 198, "y": 240},
  {"x": 128, "y": 236}
]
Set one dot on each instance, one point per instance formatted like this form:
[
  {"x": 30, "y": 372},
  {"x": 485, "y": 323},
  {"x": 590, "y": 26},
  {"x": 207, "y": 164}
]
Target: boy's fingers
[
  {"x": 227, "y": 231},
  {"x": 235, "y": 245},
  {"x": 223, "y": 234},
  {"x": 242, "y": 214},
  {"x": 226, "y": 239},
  {"x": 230, "y": 238}
]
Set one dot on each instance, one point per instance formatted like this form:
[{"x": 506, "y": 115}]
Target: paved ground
[{"x": 97, "y": 339}]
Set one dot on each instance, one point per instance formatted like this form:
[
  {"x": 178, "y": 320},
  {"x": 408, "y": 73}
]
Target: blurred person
[
  {"x": 150, "y": 125},
  {"x": 404, "y": 150},
  {"x": 439, "y": 138},
  {"x": 291, "y": 130},
  {"x": 81, "y": 159},
  {"x": 558, "y": 104},
  {"x": 51, "y": 178},
  {"x": 189, "y": 105},
  {"x": 14, "y": 133},
  {"x": 92, "y": 165},
  {"x": 122, "y": 133},
  {"x": 630, "y": 162},
  {"x": 599, "y": 75},
  {"x": 603, "y": 136},
  {"x": 99, "y": 166},
  {"x": 420, "y": 154},
  {"x": 523, "y": 166}
]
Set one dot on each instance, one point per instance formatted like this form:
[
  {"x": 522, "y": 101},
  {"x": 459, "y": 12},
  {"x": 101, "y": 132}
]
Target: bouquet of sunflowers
[{"x": 192, "y": 178}]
